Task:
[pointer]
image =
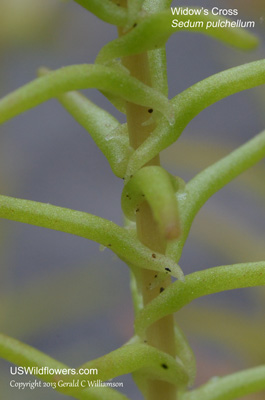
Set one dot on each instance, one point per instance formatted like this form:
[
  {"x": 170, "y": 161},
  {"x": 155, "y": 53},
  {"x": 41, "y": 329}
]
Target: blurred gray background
[{"x": 59, "y": 292}]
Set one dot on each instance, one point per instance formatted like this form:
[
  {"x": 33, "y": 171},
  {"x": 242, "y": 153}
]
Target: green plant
[{"x": 163, "y": 206}]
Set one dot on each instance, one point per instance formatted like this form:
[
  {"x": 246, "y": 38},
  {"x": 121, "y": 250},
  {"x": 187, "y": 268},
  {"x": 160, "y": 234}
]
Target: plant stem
[{"x": 161, "y": 333}]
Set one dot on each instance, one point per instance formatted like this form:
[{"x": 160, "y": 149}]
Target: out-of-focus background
[{"x": 60, "y": 293}]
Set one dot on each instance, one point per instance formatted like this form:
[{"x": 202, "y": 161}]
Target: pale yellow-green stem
[{"x": 161, "y": 333}]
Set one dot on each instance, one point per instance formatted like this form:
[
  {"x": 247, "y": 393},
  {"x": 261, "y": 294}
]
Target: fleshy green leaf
[
  {"x": 103, "y": 127},
  {"x": 156, "y": 186},
  {"x": 148, "y": 360},
  {"x": 202, "y": 153},
  {"x": 199, "y": 284},
  {"x": 106, "y": 10},
  {"x": 158, "y": 69},
  {"x": 154, "y": 30},
  {"x": 211, "y": 180},
  {"x": 88, "y": 226},
  {"x": 21, "y": 354},
  {"x": 82, "y": 77},
  {"x": 184, "y": 353},
  {"x": 192, "y": 101},
  {"x": 106, "y": 131},
  {"x": 230, "y": 387}
]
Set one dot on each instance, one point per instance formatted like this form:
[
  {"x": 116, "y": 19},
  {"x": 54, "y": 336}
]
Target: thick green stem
[{"x": 161, "y": 333}]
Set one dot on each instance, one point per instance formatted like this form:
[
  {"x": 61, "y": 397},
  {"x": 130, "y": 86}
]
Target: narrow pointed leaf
[
  {"x": 158, "y": 69},
  {"x": 103, "y": 127},
  {"x": 214, "y": 178},
  {"x": 117, "y": 101},
  {"x": 157, "y": 58},
  {"x": 154, "y": 30},
  {"x": 192, "y": 101},
  {"x": 230, "y": 387},
  {"x": 148, "y": 360},
  {"x": 199, "y": 284},
  {"x": 106, "y": 131},
  {"x": 156, "y": 186},
  {"x": 24, "y": 355},
  {"x": 88, "y": 226},
  {"x": 79, "y": 77}
]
